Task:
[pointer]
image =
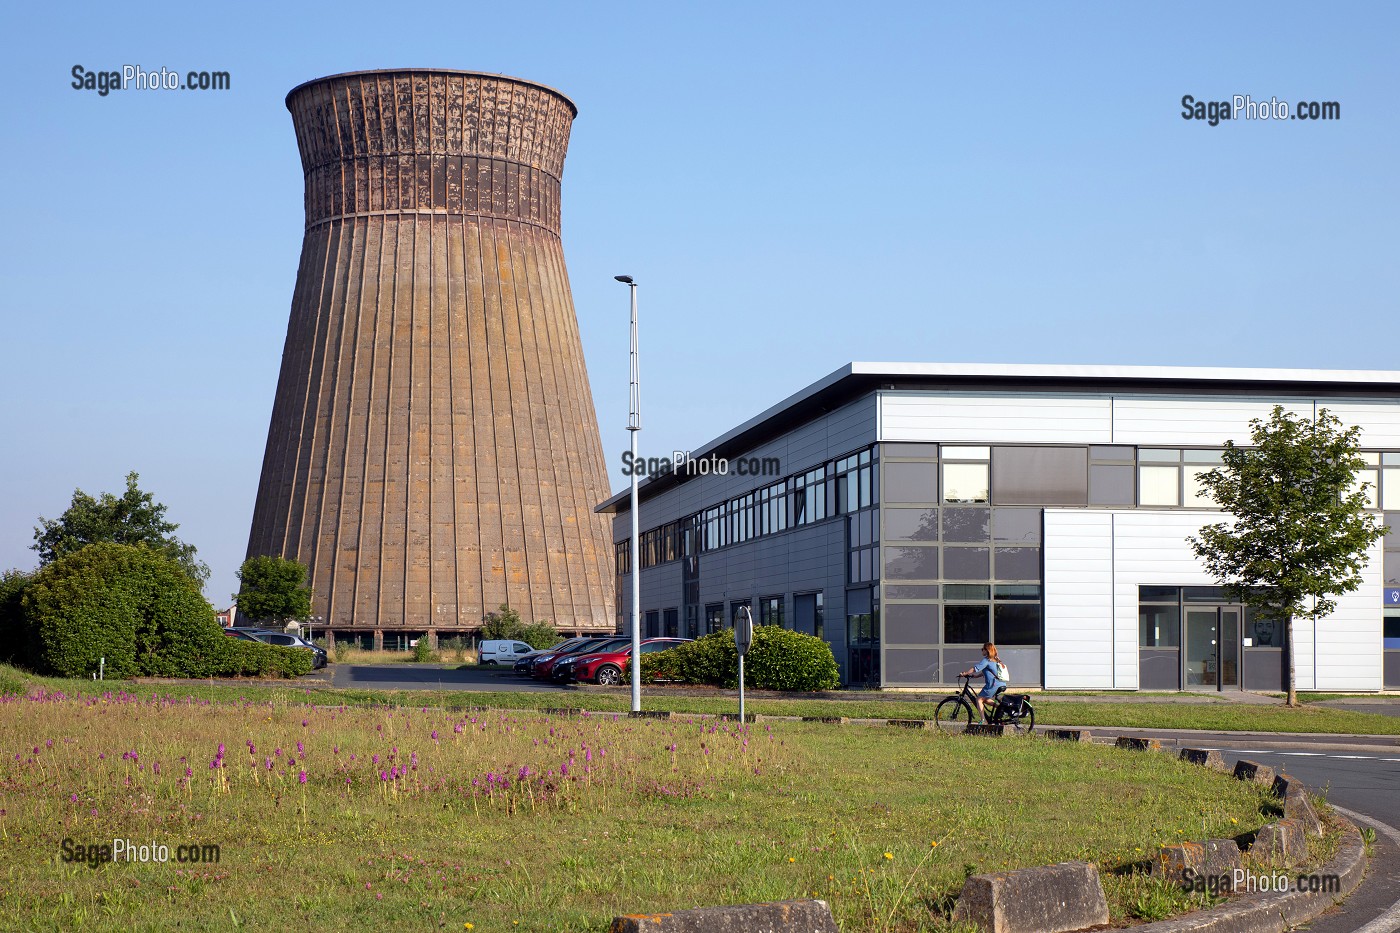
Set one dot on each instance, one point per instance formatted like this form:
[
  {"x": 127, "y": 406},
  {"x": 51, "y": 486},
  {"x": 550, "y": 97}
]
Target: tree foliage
[
  {"x": 134, "y": 518},
  {"x": 505, "y": 623},
  {"x": 13, "y": 634},
  {"x": 1298, "y": 534},
  {"x": 778, "y": 659},
  {"x": 139, "y": 613},
  {"x": 271, "y": 590}
]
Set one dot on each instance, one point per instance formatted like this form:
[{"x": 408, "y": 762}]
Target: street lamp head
[{"x": 625, "y": 279}]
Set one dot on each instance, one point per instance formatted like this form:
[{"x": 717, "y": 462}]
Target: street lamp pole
[{"x": 634, "y": 424}]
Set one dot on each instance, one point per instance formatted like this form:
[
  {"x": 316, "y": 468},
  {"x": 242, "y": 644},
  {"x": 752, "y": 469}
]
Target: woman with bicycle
[{"x": 995, "y": 675}]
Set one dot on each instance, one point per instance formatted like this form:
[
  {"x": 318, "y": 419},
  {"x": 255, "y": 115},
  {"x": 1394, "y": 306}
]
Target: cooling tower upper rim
[{"x": 437, "y": 71}]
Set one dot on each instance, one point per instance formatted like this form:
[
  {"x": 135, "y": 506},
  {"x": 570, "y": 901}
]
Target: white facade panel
[
  {"x": 1347, "y": 644},
  {"x": 1001, "y": 417},
  {"x": 1190, "y": 421},
  {"x": 1079, "y": 600},
  {"x": 1379, "y": 421}
]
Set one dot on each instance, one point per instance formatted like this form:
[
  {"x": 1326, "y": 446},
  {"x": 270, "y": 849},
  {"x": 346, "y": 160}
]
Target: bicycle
[{"x": 1003, "y": 709}]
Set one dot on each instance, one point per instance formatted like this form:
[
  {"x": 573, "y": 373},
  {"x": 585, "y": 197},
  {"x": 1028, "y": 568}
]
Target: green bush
[
  {"x": 14, "y": 639},
  {"x": 778, "y": 660},
  {"x": 141, "y": 612}
]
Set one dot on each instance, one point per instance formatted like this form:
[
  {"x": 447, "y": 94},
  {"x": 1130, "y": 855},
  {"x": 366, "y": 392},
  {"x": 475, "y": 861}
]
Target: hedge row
[
  {"x": 778, "y": 659},
  {"x": 136, "y": 610}
]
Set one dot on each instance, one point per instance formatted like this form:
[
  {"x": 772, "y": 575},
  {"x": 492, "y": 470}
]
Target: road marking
[
  {"x": 1389, "y": 921},
  {"x": 1305, "y": 754}
]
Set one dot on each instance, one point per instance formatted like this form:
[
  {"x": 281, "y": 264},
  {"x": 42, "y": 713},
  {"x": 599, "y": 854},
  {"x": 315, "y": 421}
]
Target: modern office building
[{"x": 907, "y": 513}]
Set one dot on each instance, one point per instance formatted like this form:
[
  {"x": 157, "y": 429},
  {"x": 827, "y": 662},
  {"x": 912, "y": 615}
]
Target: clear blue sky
[{"x": 793, "y": 185}]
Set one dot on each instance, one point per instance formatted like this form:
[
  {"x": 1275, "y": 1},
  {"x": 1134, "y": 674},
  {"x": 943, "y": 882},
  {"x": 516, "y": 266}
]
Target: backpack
[{"x": 1003, "y": 672}]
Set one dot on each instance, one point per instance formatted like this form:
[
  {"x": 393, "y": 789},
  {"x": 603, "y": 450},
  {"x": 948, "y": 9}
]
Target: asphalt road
[{"x": 409, "y": 676}]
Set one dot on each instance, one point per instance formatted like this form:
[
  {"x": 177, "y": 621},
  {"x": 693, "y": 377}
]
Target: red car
[
  {"x": 606, "y": 667},
  {"x": 544, "y": 663}
]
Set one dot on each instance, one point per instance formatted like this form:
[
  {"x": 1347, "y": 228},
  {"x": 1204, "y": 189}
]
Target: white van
[{"x": 495, "y": 652}]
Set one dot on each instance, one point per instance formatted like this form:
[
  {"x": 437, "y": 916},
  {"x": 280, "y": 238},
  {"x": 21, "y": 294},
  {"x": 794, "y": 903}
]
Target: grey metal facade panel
[{"x": 850, "y": 427}]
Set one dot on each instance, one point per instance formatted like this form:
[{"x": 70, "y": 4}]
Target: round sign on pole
[{"x": 743, "y": 630}]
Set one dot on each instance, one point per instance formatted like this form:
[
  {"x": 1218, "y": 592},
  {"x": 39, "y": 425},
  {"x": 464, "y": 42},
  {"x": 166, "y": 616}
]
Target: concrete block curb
[
  {"x": 837, "y": 720},
  {"x": 1298, "y": 806},
  {"x": 985, "y": 729},
  {"x": 1188, "y": 862},
  {"x": 1138, "y": 744},
  {"x": 810, "y": 916},
  {"x": 1053, "y": 899},
  {"x": 1280, "y": 844},
  {"x": 1205, "y": 757},
  {"x": 1071, "y": 735},
  {"x": 1273, "y": 912},
  {"x": 648, "y": 714},
  {"x": 911, "y": 723},
  {"x": 1254, "y": 771},
  {"x": 568, "y": 711}
]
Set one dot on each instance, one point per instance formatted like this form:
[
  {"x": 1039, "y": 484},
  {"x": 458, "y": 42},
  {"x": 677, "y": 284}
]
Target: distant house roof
[{"x": 856, "y": 379}]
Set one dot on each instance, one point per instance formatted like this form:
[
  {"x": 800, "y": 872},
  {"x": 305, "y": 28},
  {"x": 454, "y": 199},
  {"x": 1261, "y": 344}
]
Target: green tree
[
  {"x": 133, "y": 518},
  {"x": 505, "y": 623},
  {"x": 272, "y": 589},
  {"x": 1298, "y": 533},
  {"x": 14, "y": 634},
  {"x": 132, "y": 606}
]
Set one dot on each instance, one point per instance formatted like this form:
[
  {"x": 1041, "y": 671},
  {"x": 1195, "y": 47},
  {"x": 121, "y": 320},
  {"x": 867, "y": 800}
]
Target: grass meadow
[{"x": 417, "y": 817}]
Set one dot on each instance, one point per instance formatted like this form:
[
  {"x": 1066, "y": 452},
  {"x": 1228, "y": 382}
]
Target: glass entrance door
[{"x": 1212, "y": 648}]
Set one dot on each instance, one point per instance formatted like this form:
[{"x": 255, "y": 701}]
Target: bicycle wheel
[
  {"x": 952, "y": 715},
  {"x": 1025, "y": 723}
]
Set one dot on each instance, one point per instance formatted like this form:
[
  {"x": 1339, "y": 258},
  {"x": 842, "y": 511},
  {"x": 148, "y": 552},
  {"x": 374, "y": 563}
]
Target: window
[
  {"x": 1159, "y": 626},
  {"x": 1018, "y": 563},
  {"x": 734, "y": 609},
  {"x": 911, "y": 563},
  {"x": 966, "y": 625},
  {"x": 911, "y": 482},
  {"x": 966, "y": 482},
  {"x": 1040, "y": 475},
  {"x": 1019, "y": 526},
  {"x": 770, "y": 611},
  {"x": 967, "y": 563},
  {"x": 970, "y": 525},
  {"x": 671, "y": 620},
  {"x": 1111, "y": 484},
  {"x": 714, "y": 617},
  {"x": 1391, "y": 633},
  {"x": 807, "y": 612},
  {"x": 920, "y": 591},
  {"x": 1016, "y": 624},
  {"x": 863, "y": 544},
  {"x": 1265, "y": 632},
  {"x": 911, "y": 624},
  {"x": 1159, "y": 485},
  {"x": 910, "y": 524},
  {"x": 653, "y": 624},
  {"x": 623, "y": 556}
]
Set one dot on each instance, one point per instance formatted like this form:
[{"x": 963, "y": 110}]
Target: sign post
[{"x": 743, "y": 637}]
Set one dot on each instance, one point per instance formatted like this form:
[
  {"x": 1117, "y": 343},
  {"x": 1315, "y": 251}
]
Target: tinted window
[
  {"x": 911, "y": 524},
  {"x": 1111, "y": 485},
  {"x": 521, "y": 647},
  {"x": 968, "y": 625},
  {"x": 1017, "y": 624},
  {"x": 967, "y": 563},
  {"x": 1017, "y": 526},
  {"x": 911, "y": 591},
  {"x": 911, "y": 482},
  {"x": 911, "y": 563},
  {"x": 906, "y": 624},
  {"x": 972, "y": 525},
  {"x": 1040, "y": 475},
  {"x": 1159, "y": 627},
  {"x": 1018, "y": 563}
]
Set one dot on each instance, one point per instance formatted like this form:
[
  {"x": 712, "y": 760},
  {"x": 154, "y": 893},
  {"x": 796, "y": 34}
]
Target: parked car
[
  {"x": 503, "y": 651},
  {"x": 544, "y": 667},
  {"x": 606, "y": 667},
  {"x": 282, "y": 640},
  {"x": 526, "y": 665}
]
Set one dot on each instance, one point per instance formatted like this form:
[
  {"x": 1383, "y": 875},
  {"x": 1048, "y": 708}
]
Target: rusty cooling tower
[{"x": 433, "y": 451}]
